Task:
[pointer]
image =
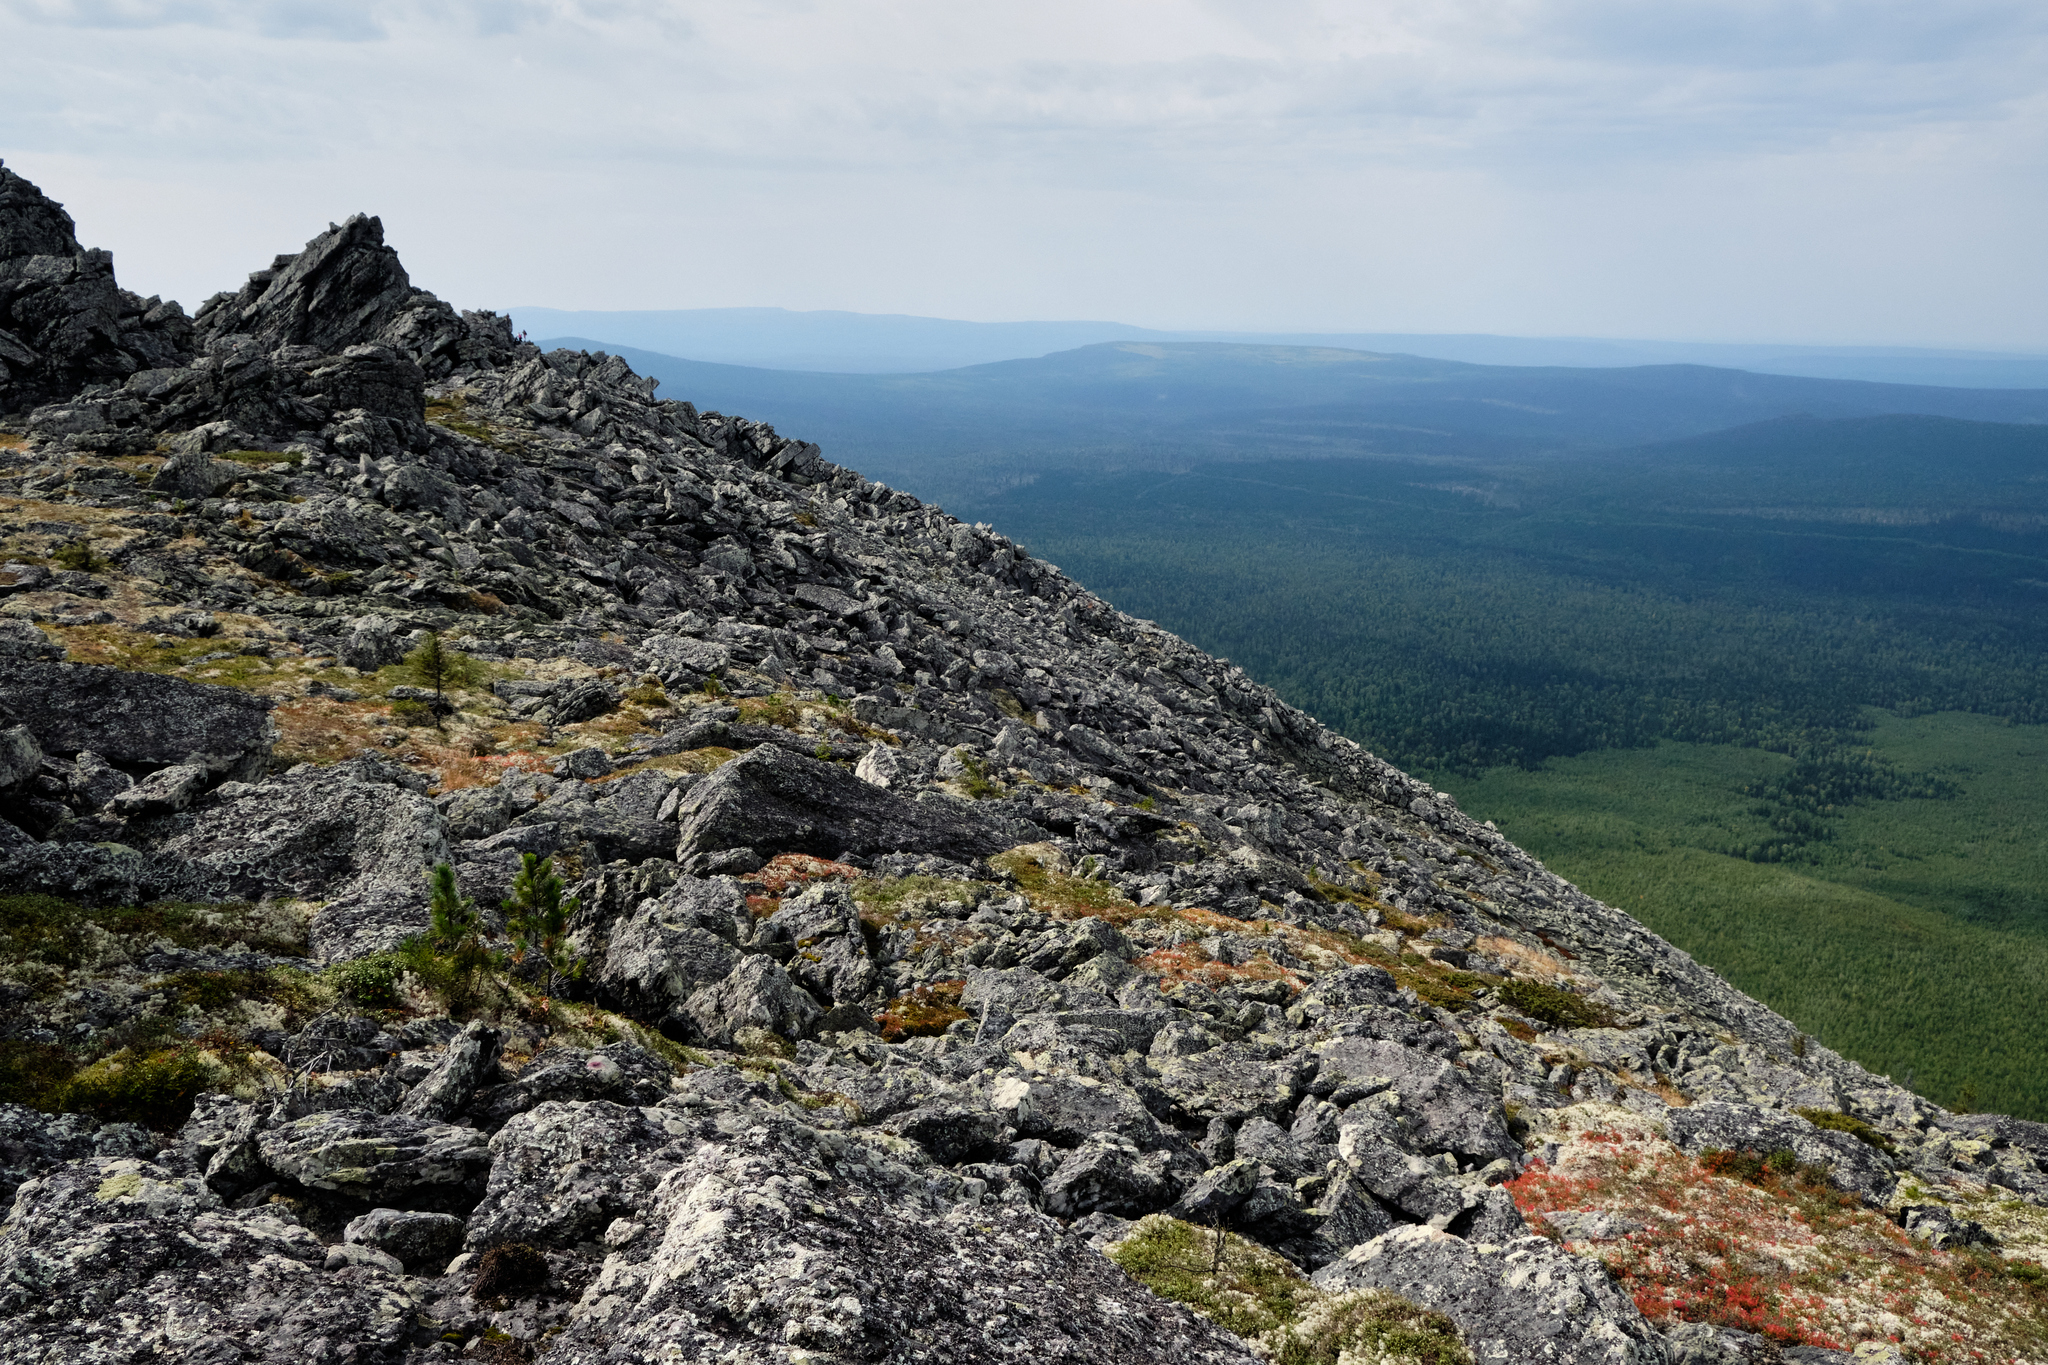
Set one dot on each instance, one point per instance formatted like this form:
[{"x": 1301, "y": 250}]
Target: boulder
[
  {"x": 1233, "y": 1083},
  {"x": 757, "y": 993},
  {"x": 139, "y": 721},
  {"x": 359, "y": 835},
  {"x": 95, "y": 782},
  {"x": 21, "y": 642},
  {"x": 1527, "y": 1303},
  {"x": 951, "y": 1133},
  {"x": 470, "y": 1061},
  {"x": 1444, "y": 1111},
  {"x": 831, "y": 958},
  {"x": 419, "y": 1240},
  {"x": 32, "y": 1142},
  {"x": 562, "y": 1172},
  {"x": 125, "y": 1259},
  {"x": 665, "y": 950},
  {"x": 20, "y": 756},
  {"x": 378, "y": 1158},
  {"x": 621, "y": 1072},
  {"x": 163, "y": 791},
  {"x": 775, "y": 801},
  {"x": 1108, "y": 1174}
]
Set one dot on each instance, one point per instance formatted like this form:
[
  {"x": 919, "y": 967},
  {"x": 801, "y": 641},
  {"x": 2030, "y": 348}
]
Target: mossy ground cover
[
  {"x": 1246, "y": 1289},
  {"x": 1758, "y": 1242},
  {"x": 1916, "y": 942},
  {"x": 178, "y": 1036}
]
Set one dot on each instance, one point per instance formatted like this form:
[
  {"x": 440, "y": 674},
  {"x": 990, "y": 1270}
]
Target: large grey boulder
[
  {"x": 359, "y": 835},
  {"x": 562, "y": 1172},
  {"x": 1108, "y": 1174},
  {"x": 1444, "y": 1112},
  {"x": 667, "y": 948},
  {"x": 1234, "y": 1083},
  {"x": 32, "y": 1142},
  {"x": 377, "y": 1158},
  {"x": 756, "y": 994},
  {"x": 621, "y": 1072},
  {"x": 21, "y": 642},
  {"x": 779, "y": 802},
  {"x": 831, "y": 958},
  {"x": 848, "y": 1248},
  {"x": 1527, "y": 1303},
  {"x": 342, "y": 290},
  {"x": 139, "y": 720},
  {"x": 421, "y": 1240},
  {"x": 20, "y": 756}
]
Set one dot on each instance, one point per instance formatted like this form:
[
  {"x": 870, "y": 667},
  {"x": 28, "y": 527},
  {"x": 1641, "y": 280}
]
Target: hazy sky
[{"x": 1869, "y": 171}]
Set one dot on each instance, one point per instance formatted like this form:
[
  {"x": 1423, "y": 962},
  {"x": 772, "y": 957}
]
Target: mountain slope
[{"x": 872, "y": 1016}]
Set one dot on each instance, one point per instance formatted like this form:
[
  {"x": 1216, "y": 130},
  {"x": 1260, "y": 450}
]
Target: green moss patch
[{"x": 1246, "y": 1289}]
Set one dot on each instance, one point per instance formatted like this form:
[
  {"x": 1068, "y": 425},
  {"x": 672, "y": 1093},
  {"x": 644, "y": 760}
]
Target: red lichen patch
[
  {"x": 924, "y": 1012},
  {"x": 786, "y": 870},
  {"x": 1758, "y": 1243},
  {"x": 761, "y": 907}
]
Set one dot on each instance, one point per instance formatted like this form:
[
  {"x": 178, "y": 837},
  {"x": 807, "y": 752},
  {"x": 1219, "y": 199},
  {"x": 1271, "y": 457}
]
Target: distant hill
[
  {"x": 869, "y": 343},
  {"x": 958, "y": 435}
]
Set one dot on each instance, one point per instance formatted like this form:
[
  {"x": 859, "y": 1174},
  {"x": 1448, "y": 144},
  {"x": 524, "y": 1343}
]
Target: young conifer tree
[{"x": 537, "y": 918}]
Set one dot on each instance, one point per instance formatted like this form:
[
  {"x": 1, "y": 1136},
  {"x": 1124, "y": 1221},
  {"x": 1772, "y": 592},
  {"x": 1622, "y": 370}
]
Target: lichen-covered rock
[
  {"x": 1234, "y": 1083},
  {"x": 1443, "y": 1110},
  {"x": 378, "y": 1158},
  {"x": 756, "y": 994},
  {"x": 359, "y": 835},
  {"x": 470, "y": 1062},
  {"x": 32, "y": 1143},
  {"x": 664, "y": 950},
  {"x": 109, "y": 1261},
  {"x": 769, "y": 1238},
  {"x": 621, "y": 1072},
  {"x": 563, "y": 1171},
  {"x": 420, "y": 1241},
  {"x": 1853, "y": 1164},
  {"x": 779, "y": 802},
  {"x": 139, "y": 720},
  {"x": 1526, "y": 1303}
]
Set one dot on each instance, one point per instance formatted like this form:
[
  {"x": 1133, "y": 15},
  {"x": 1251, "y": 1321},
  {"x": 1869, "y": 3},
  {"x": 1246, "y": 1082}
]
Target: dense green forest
[{"x": 1678, "y": 674}]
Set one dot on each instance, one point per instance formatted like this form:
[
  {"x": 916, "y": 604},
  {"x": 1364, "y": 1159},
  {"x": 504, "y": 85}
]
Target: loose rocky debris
[{"x": 930, "y": 925}]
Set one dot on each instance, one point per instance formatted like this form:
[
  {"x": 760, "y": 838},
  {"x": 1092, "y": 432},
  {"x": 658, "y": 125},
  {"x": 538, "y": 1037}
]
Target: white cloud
[{"x": 1785, "y": 168}]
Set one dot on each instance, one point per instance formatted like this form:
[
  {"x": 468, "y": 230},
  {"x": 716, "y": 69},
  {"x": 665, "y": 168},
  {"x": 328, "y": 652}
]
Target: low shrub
[
  {"x": 370, "y": 982},
  {"x": 1848, "y": 1123},
  {"x": 509, "y": 1269},
  {"x": 155, "y": 1089},
  {"x": 923, "y": 1012},
  {"x": 1554, "y": 1005}
]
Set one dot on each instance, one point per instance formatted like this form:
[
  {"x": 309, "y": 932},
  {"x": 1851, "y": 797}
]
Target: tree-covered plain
[{"x": 1678, "y": 674}]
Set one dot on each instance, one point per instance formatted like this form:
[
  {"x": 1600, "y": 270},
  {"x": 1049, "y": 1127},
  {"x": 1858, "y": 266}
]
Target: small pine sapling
[
  {"x": 438, "y": 666},
  {"x": 456, "y": 954},
  {"x": 537, "y": 918}
]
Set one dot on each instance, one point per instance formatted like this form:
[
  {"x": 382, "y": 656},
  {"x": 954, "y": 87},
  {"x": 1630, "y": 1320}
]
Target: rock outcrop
[{"x": 927, "y": 920}]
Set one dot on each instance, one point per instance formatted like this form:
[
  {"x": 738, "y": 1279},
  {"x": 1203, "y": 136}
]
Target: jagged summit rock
[
  {"x": 343, "y": 290},
  {"x": 928, "y": 922}
]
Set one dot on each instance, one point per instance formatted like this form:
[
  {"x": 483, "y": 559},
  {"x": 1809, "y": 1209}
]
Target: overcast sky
[{"x": 1862, "y": 171}]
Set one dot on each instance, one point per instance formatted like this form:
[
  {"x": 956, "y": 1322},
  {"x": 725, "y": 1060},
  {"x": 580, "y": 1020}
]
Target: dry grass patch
[{"x": 1040, "y": 871}]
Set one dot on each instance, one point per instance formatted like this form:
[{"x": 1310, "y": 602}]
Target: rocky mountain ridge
[{"x": 938, "y": 925}]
